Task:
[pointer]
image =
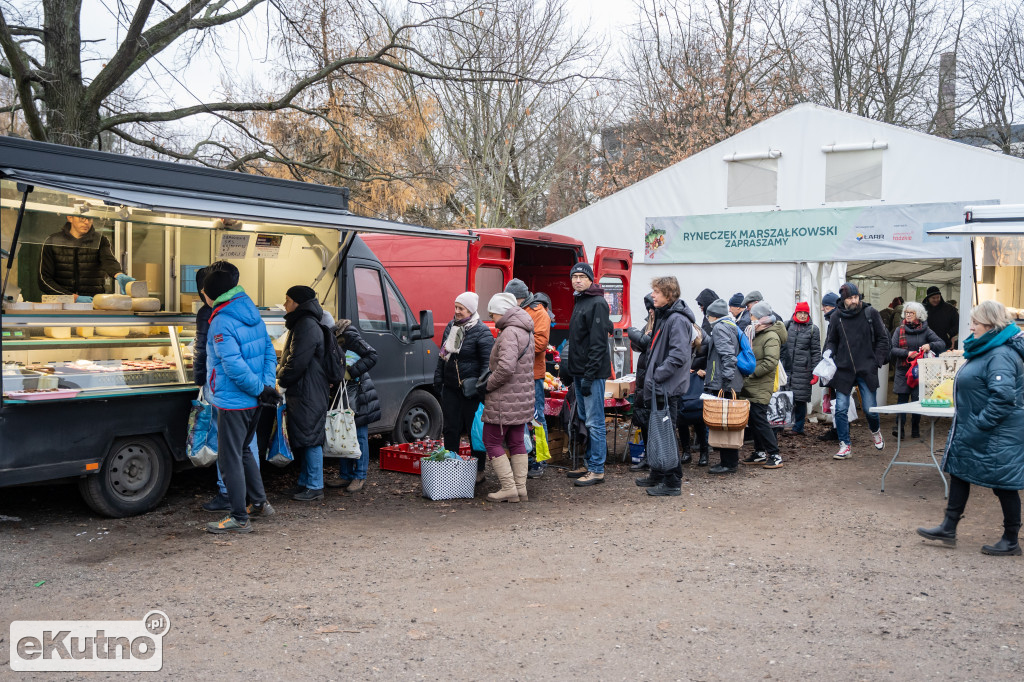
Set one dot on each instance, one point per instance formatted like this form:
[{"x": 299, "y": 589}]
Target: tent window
[
  {"x": 853, "y": 176},
  {"x": 753, "y": 183}
]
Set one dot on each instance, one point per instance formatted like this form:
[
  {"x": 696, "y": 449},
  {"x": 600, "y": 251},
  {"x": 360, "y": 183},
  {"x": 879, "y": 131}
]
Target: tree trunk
[{"x": 67, "y": 122}]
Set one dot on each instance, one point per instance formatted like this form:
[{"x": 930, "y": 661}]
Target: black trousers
[
  {"x": 673, "y": 477},
  {"x": 764, "y": 435},
  {"x": 700, "y": 433},
  {"x": 730, "y": 458},
  {"x": 915, "y": 419},
  {"x": 458, "y": 412},
  {"x": 1009, "y": 500},
  {"x": 238, "y": 469}
]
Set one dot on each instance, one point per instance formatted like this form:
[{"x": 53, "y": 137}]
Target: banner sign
[{"x": 859, "y": 233}]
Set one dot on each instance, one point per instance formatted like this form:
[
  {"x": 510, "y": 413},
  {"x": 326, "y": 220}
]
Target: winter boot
[
  {"x": 1007, "y": 545},
  {"x": 945, "y": 531},
  {"x": 520, "y": 472},
  {"x": 703, "y": 460},
  {"x": 503, "y": 469}
]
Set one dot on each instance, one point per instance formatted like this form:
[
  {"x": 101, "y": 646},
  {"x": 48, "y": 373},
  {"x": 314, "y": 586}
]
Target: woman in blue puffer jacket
[{"x": 986, "y": 442}]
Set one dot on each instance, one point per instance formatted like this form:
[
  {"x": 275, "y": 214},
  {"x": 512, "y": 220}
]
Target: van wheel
[
  {"x": 133, "y": 479},
  {"x": 420, "y": 417}
]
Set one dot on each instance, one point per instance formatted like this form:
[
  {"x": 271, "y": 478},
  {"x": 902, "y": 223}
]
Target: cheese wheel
[
  {"x": 112, "y": 302},
  {"x": 57, "y": 332},
  {"x": 146, "y": 305},
  {"x": 84, "y": 332},
  {"x": 137, "y": 289},
  {"x": 113, "y": 331}
]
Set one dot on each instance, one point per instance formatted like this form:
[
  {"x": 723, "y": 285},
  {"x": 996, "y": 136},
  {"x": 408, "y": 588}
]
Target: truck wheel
[
  {"x": 420, "y": 417},
  {"x": 133, "y": 479}
]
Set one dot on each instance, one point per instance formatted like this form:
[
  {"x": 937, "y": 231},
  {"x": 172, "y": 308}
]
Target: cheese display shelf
[{"x": 99, "y": 354}]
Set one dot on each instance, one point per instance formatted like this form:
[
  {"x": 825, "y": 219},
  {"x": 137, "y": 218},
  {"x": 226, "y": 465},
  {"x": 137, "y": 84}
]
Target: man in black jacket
[
  {"x": 77, "y": 260},
  {"x": 943, "y": 318},
  {"x": 860, "y": 345},
  {"x": 589, "y": 364}
]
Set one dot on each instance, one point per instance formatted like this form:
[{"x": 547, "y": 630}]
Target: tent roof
[{"x": 933, "y": 271}]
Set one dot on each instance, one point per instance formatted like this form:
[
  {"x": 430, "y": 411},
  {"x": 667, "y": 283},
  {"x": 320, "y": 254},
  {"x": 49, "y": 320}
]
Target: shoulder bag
[{"x": 342, "y": 439}]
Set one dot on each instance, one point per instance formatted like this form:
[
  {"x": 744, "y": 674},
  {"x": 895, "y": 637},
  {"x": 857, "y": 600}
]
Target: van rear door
[
  {"x": 490, "y": 265},
  {"x": 612, "y": 269}
]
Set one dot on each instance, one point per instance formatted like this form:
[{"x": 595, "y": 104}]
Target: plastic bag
[
  {"x": 476, "y": 434},
  {"x": 780, "y": 409},
  {"x": 279, "y": 453},
  {"x": 543, "y": 452},
  {"x": 202, "y": 434},
  {"x": 826, "y": 368}
]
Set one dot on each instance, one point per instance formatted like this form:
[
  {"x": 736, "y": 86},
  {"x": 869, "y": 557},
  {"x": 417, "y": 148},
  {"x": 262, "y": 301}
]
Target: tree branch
[{"x": 22, "y": 79}]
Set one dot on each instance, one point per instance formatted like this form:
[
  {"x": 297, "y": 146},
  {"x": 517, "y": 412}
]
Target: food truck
[{"x": 100, "y": 390}]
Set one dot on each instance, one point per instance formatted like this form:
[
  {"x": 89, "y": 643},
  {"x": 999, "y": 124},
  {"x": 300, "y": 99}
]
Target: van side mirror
[{"x": 425, "y": 329}]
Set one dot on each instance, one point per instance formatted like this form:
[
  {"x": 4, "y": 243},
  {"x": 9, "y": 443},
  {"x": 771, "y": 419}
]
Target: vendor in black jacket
[
  {"x": 589, "y": 365},
  {"x": 859, "y": 343},
  {"x": 77, "y": 260}
]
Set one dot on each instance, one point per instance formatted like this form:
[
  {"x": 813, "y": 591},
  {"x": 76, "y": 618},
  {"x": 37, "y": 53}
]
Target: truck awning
[
  {"x": 987, "y": 228},
  {"x": 195, "y": 203}
]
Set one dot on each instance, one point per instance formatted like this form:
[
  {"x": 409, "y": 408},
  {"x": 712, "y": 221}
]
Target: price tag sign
[
  {"x": 233, "y": 246},
  {"x": 268, "y": 245}
]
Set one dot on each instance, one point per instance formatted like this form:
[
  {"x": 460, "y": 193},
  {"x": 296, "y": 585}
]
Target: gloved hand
[
  {"x": 83, "y": 299},
  {"x": 270, "y": 397},
  {"x": 814, "y": 379},
  {"x": 585, "y": 388},
  {"x": 122, "y": 281}
]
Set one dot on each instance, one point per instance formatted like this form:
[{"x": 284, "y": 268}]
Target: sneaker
[
  {"x": 260, "y": 509},
  {"x": 536, "y": 470},
  {"x": 590, "y": 478},
  {"x": 662, "y": 490},
  {"x": 309, "y": 495},
  {"x": 642, "y": 464},
  {"x": 356, "y": 486},
  {"x": 756, "y": 458},
  {"x": 228, "y": 525},
  {"x": 219, "y": 503},
  {"x": 579, "y": 472},
  {"x": 773, "y": 462},
  {"x": 844, "y": 452},
  {"x": 879, "y": 442},
  {"x": 333, "y": 483}
]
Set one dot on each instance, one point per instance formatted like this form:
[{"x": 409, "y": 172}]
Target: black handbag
[{"x": 470, "y": 385}]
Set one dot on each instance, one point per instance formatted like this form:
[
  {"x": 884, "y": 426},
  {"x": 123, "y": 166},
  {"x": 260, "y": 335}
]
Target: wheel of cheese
[
  {"x": 57, "y": 332},
  {"x": 84, "y": 332},
  {"x": 146, "y": 305},
  {"x": 112, "y": 302},
  {"x": 113, "y": 331},
  {"x": 137, "y": 289}
]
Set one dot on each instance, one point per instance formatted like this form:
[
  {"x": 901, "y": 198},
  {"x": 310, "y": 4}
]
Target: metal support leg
[
  {"x": 899, "y": 439},
  {"x": 931, "y": 451}
]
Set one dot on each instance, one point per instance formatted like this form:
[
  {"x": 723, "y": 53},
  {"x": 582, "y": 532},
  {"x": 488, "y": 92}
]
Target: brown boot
[
  {"x": 520, "y": 467},
  {"x": 508, "y": 492}
]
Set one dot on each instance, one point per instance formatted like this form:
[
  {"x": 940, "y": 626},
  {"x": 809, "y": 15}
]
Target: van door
[
  {"x": 490, "y": 265},
  {"x": 612, "y": 268}
]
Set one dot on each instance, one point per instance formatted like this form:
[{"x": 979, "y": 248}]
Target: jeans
[
  {"x": 915, "y": 419},
  {"x": 235, "y": 428},
  {"x": 355, "y": 469},
  {"x": 764, "y": 435},
  {"x": 842, "y": 415},
  {"x": 496, "y": 437},
  {"x": 591, "y": 412},
  {"x": 538, "y": 414},
  {"x": 255, "y": 455},
  {"x": 312, "y": 474},
  {"x": 799, "y": 416}
]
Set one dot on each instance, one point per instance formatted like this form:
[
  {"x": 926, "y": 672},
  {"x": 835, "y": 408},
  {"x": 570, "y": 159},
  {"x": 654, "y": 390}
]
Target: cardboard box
[{"x": 621, "y": 387}]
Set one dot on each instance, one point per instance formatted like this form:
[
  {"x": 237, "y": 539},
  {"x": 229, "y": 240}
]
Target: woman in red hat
[{"x": 801, "y": 354}]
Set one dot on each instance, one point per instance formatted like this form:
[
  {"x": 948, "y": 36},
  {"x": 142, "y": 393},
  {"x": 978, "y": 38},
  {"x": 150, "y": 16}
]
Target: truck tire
[
  {"x": 420, "y": 417},
  {"x": 132, "y": 480}
]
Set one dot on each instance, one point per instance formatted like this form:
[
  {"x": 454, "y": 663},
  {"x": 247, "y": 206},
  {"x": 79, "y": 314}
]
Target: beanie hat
[
  {"x": 847, "y": 290},
  {"x": 543, "y": 299},
  {"x": 517, "y": 288},
  {"x": 830, "y": 299},
  {"x": 736, "y": 301},
  {"x": 802, "y": 307},
  {"x": 200, "y": 278},
  {"x": 583, "y": 268},
  {"x": 705, "y": 297},
  {"x": 468, "y": 300},
  {"x": 718, "y": 308},
  {"x": 752, "y": 297},
  {"x": 932, "y": 290},
  {"x": 221, "y": 277},
  {"x": 501, "y": 303},
  {"x": 300, "y": 294},
  {"x": 761, "y": 309}
]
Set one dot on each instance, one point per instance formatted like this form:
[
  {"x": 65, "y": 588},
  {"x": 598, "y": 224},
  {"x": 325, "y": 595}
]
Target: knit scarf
[
  {"x": 912, "y": 326},
  {"x": 453, "y": 344},
  {"x": 760, "y": 325},
  {"x": 974, "y": 347}
]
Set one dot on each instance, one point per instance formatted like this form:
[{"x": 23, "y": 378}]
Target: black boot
[
  {"x": 945, "y": 531},
  {"x": 703, "y": 461},
  {"x": 685, "y": 457},
  {"x": 1007, "y": 545}
]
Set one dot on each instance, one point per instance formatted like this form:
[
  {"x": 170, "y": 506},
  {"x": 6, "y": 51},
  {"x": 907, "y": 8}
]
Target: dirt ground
[{"x": 766, "y": 574}]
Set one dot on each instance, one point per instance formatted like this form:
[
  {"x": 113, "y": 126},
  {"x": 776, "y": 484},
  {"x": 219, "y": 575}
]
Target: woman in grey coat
[
  {"x": 912, "y": 339},
  {"x": 721, "y": 371},
  {"x": 799, "y": 357}
]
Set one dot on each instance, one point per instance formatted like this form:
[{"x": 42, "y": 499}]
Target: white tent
[{"x": 753, "y": 212}]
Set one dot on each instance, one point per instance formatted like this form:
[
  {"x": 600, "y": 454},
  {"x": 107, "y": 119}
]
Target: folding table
[{"x": 913, "y": 408}]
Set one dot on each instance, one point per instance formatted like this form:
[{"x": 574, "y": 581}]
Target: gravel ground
[{"x": 781, "y": 574}]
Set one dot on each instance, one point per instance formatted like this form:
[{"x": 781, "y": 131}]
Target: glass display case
[{"x": 82, "y": 355}]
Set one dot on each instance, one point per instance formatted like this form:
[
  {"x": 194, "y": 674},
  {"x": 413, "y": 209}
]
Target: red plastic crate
[{"x": 406, "y": 456}]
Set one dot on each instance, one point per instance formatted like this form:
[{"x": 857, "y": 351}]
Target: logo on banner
[
  {"x": 873, "y": 237},
  {"x": 89, "y": 645}
]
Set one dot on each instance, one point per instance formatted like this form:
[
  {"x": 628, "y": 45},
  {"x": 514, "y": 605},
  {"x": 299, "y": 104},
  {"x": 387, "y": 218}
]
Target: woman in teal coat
[{"x": 986, "y": 442}]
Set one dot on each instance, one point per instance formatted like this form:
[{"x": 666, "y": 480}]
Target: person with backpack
[
  {"x": 722, "y": 372},
  {"x": 860, "y": 346},
  {"x": 767, "y": 337},
  {"x": 912, "y": 339},
  {"x": 303, "y": 376},
  {"x": 799, "y": 358}
]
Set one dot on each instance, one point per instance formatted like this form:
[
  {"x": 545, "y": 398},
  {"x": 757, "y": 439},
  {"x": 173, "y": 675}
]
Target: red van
[{"x": 432, "y": 272}]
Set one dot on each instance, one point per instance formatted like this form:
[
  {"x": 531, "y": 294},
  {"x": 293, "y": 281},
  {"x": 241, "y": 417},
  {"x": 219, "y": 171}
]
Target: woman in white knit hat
[
  {"x": 465, "y": 350},
  {"x": 509, "y": 400}
]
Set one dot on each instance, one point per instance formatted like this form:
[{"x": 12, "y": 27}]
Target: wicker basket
[{"x": 724, "y": 414}]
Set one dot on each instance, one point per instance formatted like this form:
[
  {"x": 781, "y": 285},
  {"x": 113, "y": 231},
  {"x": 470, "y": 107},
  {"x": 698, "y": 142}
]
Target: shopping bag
[
  {"x": 476, "y": 433},
  {"x": 662, "y": 449},
  {"x": 448, "y": 479},
  {"x": 725, "y": 440},
  {"x": 826, "y": 367},
  {"x": 725, "y": 414},
  {"x": 202, "y": 433},
  {"x": 543, "y": 452},
  {"x": 342, "y": 439},
  {"x": 780, "y": 410},
  {"x": 913, "y": 375},
  {"x": 279, "y": 453}
]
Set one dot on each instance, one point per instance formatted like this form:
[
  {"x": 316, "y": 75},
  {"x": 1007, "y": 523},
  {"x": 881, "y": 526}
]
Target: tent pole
[{"x": 24, "y": 189}]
